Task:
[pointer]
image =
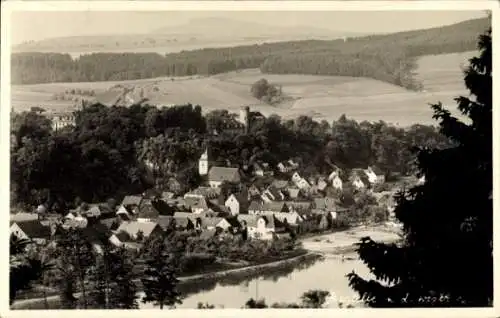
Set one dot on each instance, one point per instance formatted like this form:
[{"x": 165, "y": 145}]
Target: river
[
  {"x": 285, "y": 281},
  {"x": 286, "y": 285}
]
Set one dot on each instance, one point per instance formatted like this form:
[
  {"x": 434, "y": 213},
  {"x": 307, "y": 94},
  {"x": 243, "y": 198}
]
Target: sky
[{"x": 27, "y": 26}]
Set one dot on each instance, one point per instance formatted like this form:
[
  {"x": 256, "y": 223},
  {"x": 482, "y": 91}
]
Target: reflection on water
[
  {"x": 284, "y": 284},
  {"x": 245, "y": 278}
]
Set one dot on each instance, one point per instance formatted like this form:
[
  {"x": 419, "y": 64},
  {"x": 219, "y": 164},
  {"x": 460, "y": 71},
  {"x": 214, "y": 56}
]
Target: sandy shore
[{"x": 342, "y": 242}]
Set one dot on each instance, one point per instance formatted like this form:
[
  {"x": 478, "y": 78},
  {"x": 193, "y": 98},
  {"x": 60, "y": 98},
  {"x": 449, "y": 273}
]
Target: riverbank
[
  {"x": 187, "y": 282},
  {"x": 343, "y": 242},
  {"x": 333, "y": 243}
]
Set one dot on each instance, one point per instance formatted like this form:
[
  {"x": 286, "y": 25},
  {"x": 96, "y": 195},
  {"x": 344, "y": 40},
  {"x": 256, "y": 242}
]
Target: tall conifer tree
[{"x": 445, "y": 258}]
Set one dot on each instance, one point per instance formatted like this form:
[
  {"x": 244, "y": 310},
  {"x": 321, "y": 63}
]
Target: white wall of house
[
  {"x": 333, "y": 175},
  {"x": 296, "y": 177},
  {"x": 372, "y": 177},
  {"x": 266, "y": 198},
  {"x": 337, "y": 183},
  {"x": 259, "y": 172},
  {"x": 282, "y": 167},
  {"x": 198, "y": 209},
  {"x": 214, "y": 184},
  {"x": 264, "y": 232},
  {"x": 233, "y": 205},
  {"x": 302, "y": 184},
  {"x": 115, "y": 241},
  {"x": 223, "y": 224},
  {"x": 357, "y": 183}
]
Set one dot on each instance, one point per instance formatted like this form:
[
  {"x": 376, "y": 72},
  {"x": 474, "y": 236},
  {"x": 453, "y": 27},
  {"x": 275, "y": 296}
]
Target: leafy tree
[
  {"x": 159, "y": 280},
  {"x": 447, "y": 218},
  {"x": 256, "y": 304},
  {"x": 265, "y": 91},
  {"x": 23, "y": 269},
  {"x": 314, "y": 298}
]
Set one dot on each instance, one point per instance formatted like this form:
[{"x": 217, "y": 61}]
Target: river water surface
[{"x": 327, "y": 273}]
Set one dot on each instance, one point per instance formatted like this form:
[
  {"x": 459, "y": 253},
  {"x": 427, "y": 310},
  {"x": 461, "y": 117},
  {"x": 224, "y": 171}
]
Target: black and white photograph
[{"x": 248, "y": 158}]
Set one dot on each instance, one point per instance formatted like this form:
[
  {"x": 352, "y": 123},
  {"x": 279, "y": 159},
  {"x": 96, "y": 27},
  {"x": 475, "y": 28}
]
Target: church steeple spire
[{"x": 203, "y": 163}]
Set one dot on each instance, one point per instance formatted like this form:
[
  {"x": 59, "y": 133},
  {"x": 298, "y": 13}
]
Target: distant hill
[
  {"x": 389, "y": 58},
  {"x": 197, "y": 33},
  {"x": 236, "y": 29}
]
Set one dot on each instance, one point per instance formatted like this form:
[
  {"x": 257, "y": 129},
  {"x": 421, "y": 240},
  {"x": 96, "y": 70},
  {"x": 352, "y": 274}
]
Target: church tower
[
  {"x": 203, "y": 163},
  {"x": 244, "y": 116}
]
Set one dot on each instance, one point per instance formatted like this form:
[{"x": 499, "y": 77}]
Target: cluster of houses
[{"x": 253, "y": 211}]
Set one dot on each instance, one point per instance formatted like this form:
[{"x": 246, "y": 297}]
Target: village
[{"x": 222, "y": 206}]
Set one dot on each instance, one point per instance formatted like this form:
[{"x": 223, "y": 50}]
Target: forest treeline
[{"x": 390, "y": 58}]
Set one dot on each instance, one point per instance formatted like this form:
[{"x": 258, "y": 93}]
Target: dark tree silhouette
[
  {"x": 159, "y": 280},
  {"x": 445, "y": 257},
  {"x": 24, "y": 270}
]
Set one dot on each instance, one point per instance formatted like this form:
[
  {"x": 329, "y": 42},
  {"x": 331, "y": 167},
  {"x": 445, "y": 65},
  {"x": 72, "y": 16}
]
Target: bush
[
  {"x": 193, "y": 262},
  {"x": 265, "y": 91}
]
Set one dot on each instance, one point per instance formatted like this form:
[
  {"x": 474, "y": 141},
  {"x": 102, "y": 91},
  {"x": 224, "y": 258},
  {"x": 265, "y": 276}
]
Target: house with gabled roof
[
  {"x": 283, "y": 167},
  {"x": 299, "y": 206},
  {"x": 258, "y": 226},
  {"x": 167, "y": 195},
  {"x": 272, "y": 194},
  {"x": 185, "y": 220},
  {"x": 215, "y": 222},
  {"x": 131, "y": 201},
  {"x": 218, "y": 175},
  {"x": 335, "y": 173},
  {"x": 132, "y": 229},
  {"x": 337, "y": 183},
  {"x": 326, "y": 204},
  {"x": 124, "y": 214},
  {"x": 208, "y": 234},
  {"x": 291, "y": 218},
  {"x": 32, "y": 230},
  {"x": 267, "y": 207},
  {"x": 356, "y": 178},
  {"x": 280, "y": 184},
  {"x": 235, "y": 203},
  {"x": 261, "y": 169},
  {"x": 165, "y": 221},
  {"x": 111, "y": 223},
  {"x": 375, "y": 175},
  {"x": 203, "y": 192},
  {"x": 293, "y": 192},
  {"x": 147, "y": 212},
  {"x": 99, "y": 211},
  {"x": 253, "y": 192},
  {"x": 198, "y": 205},
  {"x": 322, "y": 185},
  {"x": 23, "y": 216},
  {"x": 257, "y": 170}
]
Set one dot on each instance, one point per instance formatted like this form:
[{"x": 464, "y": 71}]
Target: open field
[{"x": 322, "y": 97}]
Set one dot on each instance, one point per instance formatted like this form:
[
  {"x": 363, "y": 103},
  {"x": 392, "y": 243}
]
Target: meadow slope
[{"x": 322, "y": 97}]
